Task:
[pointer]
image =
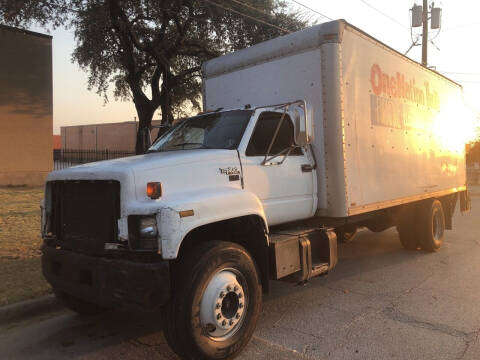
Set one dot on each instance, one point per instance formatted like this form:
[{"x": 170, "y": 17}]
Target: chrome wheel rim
[
  {"x": 437, "y": 226},
  {"x": 224, "y": 304}
]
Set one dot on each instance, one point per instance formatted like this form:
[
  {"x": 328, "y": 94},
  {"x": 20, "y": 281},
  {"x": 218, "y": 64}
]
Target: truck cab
[{"x": 115, "y": 232}]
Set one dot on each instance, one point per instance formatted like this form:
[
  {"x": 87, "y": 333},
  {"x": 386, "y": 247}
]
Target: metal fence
[
  {"x": 67, "y": 157},
  {"x": 473, "y": 176}
]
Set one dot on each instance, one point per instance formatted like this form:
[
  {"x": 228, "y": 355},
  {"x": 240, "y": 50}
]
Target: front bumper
[{"x": 108, "y": 282}]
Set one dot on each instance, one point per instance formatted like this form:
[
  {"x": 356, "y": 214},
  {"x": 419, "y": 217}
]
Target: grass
[{"x": 20, "y": 268}]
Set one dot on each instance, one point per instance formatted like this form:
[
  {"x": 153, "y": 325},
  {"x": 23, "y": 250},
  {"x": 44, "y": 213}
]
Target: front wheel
[{"x": 215, "y": 304}]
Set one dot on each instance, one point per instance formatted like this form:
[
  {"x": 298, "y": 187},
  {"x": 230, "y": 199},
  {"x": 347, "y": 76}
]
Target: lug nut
[
  {"x": 240, "y": 305},
  {"x": 217, "y": 306},
  {"x": 222, "y": 294},
  {"x": 231, "y": 322},
  {"x": 240, "y": 295},
  {"x": 219, "y": 316},
  {"x": 235, "y": 288},
  {"x": 224, "y": 322},
  {"x": 237, "y": 316},
  {"x": 229, "y": 288}
]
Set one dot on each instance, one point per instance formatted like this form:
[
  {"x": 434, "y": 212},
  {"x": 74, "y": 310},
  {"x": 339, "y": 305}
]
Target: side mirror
[{"x": 298, "y": 114}]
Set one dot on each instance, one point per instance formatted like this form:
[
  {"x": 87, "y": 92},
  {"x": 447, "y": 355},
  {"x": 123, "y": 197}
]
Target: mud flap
[{"x": 465, "y": 201}]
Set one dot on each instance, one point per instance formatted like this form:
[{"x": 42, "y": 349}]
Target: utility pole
[
  {"x": 420, "y": 18},
  {"x": 425, "y": 32}
]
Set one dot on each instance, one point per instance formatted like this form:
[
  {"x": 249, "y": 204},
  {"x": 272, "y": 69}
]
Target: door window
[{"x": 263, "y": 134}]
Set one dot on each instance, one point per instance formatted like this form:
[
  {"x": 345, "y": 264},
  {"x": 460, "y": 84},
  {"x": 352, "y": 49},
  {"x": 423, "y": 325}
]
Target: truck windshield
[{"x": 218, "y": 130}]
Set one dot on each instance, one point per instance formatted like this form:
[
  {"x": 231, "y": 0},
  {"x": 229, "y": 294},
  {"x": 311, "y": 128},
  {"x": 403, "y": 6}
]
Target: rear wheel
[
  {"x": 407, "y": 227},
  {"x": 423, "y": 226},
  {"x": 431, "y": 225},
  {"x": 408, "y": 235},
  {"x": 215, "y": 304}
]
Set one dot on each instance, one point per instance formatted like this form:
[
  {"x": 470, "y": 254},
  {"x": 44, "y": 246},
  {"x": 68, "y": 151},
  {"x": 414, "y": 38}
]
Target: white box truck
[{"x": 304, "y": 139}]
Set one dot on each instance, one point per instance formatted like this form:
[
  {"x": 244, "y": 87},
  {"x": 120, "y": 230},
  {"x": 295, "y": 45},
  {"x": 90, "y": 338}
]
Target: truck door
[{"x": 285, "y": 188}]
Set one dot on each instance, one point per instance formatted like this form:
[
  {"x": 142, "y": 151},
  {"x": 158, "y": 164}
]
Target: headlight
[
  {"x": 148, "y": 227},
  {"x": 142, "y": 232}
]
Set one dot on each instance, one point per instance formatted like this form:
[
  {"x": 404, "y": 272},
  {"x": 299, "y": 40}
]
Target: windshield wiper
[
  {"x": 203, "y": 146},
  {"x": 192, "y": 143}
]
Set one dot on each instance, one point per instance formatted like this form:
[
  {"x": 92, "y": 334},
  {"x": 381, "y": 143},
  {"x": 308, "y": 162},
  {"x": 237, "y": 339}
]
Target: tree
[{"x": 152, "y": 50}]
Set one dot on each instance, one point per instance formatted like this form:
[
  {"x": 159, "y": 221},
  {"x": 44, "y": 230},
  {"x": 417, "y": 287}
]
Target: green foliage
[
  {"x": 23, "y": 13},
  {"x": 152, "y": 50}
]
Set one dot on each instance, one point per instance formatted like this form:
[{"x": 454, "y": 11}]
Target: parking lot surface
[{"x": 381, "y": 302}]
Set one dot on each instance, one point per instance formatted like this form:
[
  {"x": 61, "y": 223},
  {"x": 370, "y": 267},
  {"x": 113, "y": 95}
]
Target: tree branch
[
  {"x": 181, "y": 76},
  {"x": 155, "y": 85}
]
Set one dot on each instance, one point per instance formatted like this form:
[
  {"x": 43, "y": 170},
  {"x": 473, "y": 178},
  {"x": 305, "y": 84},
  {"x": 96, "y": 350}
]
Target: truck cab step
[{"x": 299, "y": 254}]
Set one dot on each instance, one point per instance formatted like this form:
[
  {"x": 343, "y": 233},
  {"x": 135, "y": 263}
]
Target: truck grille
[{"x": 84, "y": 214}]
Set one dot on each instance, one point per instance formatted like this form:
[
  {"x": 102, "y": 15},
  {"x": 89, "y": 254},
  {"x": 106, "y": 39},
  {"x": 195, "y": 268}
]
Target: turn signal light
[{"x": 154, "y": 190}]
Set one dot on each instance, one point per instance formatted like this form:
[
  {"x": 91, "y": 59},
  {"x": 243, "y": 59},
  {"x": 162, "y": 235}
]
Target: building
[
  {"x": 26, "y": 121},
  {"x": 119, "y": 136},
  {"x": 57, "y": 142}
]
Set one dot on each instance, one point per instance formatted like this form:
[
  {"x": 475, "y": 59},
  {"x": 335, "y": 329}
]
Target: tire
[
  {"x": 77, "y": 305},
  {"x": 431, "y": 225},
  {"x": 408, "y": 235},
  {"x": 215, "y": 303},
  {"x": 407, "y": 227}
]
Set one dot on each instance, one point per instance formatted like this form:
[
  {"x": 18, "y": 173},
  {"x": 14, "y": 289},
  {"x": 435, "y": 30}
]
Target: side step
[{"x": 300, "y": 254}]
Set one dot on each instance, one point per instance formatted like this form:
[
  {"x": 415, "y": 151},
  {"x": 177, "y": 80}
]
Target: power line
[
  {"x": 246, "y": 16},
  {"x": 256, "y": 9},
  {"x": 252, "y": 7},
  {"x": 462, "y": 26},
  {"x": 309, "y": 8},
  {"x": 459, "y": 73},
  {"x": 387, "y": 16}
]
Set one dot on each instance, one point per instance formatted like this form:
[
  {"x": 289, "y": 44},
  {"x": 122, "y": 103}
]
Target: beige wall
[
  {"x": 114, "y": 136},
  {"x": 25, "y": 107}
]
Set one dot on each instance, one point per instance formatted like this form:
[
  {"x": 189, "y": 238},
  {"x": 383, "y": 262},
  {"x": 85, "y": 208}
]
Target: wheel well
[{"x": 248, "y": 231}]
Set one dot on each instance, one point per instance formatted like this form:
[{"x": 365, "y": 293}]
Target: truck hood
[{"x": 180, "y": 172}]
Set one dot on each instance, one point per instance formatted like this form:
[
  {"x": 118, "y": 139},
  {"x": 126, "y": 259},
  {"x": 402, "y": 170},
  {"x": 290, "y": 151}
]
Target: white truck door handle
[{"x": 307, "y": 168}]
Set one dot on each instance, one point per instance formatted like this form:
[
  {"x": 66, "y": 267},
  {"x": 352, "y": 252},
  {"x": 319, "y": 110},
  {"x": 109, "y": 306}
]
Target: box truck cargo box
[{"x": 383, "y": 126}]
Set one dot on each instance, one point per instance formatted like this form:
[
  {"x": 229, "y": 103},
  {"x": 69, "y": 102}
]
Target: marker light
[{"x": 154, "y": 190}]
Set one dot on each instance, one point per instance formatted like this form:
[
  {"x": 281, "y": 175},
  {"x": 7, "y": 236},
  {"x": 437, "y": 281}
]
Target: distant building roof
[
  {"x": 154, "y": 122},
  {"x": 23, "y": 31}
]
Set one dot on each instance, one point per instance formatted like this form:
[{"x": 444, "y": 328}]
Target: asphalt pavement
[{"x": 381, "y": 302}]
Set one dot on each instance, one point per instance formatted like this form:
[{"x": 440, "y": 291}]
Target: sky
[{"x": 456, "y": 53}]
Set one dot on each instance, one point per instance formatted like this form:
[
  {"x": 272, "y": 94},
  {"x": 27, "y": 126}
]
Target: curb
[{"x": 29, "y": 308}]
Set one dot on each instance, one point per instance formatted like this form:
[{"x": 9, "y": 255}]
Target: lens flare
[{"x": 455, "y": 126}]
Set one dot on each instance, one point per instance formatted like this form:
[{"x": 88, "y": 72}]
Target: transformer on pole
[{"x": 420, "y": 18}]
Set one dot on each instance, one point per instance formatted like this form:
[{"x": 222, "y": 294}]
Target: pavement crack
[
  {"x": 301, "y": 332},
  {"x": 138, "y": 342},
  {"x": 414, "y": 287},
  {"x": 394, "y": 314},
  {"x": 472, "y": 339},
  {"x": 281, "y": 347}
]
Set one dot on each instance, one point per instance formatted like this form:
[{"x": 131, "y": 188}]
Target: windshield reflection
[{"x": 218, "y": 130}]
